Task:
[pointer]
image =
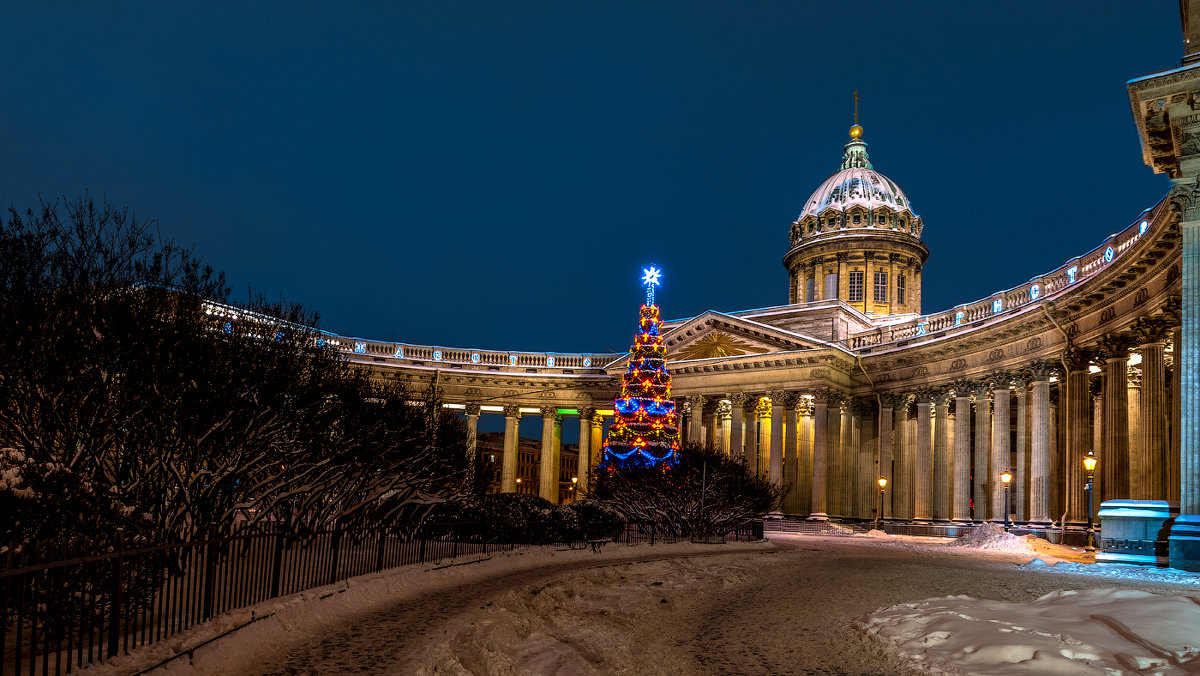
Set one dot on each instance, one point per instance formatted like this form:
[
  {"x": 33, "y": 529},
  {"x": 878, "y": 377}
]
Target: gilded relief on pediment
[{"x": 716, "y": 344}]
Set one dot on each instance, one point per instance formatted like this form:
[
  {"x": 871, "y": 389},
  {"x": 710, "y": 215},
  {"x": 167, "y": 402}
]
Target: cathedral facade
[{"x": 850, "y": 382}]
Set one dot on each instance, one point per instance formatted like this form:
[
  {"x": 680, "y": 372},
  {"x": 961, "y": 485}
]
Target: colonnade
[
  {"x": 591, "y": 430},
  {"x": 943, "y": 449}
]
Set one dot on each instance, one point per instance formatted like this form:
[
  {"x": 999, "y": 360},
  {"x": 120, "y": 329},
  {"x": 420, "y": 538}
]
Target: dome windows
[{"x": 856, "y": 219}]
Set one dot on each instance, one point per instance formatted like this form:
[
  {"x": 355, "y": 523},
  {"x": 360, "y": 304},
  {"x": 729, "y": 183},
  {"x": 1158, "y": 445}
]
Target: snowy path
[{"x": 788, "y": 607}]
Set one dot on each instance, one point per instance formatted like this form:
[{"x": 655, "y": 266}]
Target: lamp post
[
  {"x": 1089, "y": 464},
  {"x": 879, "y": 514},
  {"x": 1006, "y": 478}
]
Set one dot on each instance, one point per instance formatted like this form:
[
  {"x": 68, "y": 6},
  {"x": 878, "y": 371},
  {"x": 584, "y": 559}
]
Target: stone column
[
  {"x": 1039, "y": 445},
  {"x": 791, "y": 467},
  {"x": 961, "y": 511},
  {"x": 721, "y": 427},
  {"x": 866, "y": 502},
  {"x": 843, "y": 282},
  {"x": 1185, "y": 534},
  {"x": 752, "y": 436},
  {"x": 548, "y": 469},
  {"x": 585, "y": 451},
  {"x": 1021, "y": 480},
  {"x": 695, "y": 418},
  {"x": 983, "y": 452},
  {"x": 1001, "y": 444},
  {"x": 473, "y": 411},
  {"x": 868, "y": 281},
  {"x": 1147, "y": 475},
  {"x": 833, "y": 478},
  {"x": 886, "y": 402},
  {"x": 1114, "y": 453},
  {"x": 902, "y": 451},
  {"x": 775, "y": 466},
  {"x": 893, "y": 297},
  {"x": 1174, "y": 484},
  {"x": 922, "y": 465},
  {"x": 942, "y": 459},
  {"x": 804, "y": 453},
  {"x": 820, "y": 455},
  {"x": 1079, "y": 433},
  {"x": 597, "y": 442},
  {"x": 512, "y": 438},
  {"x": 849, "y": 459},
  {"x": 737, "y": 425}
]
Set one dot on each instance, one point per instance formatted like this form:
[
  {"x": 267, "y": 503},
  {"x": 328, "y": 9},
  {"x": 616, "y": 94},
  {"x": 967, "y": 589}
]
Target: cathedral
[{"x": 985, "y": 411}]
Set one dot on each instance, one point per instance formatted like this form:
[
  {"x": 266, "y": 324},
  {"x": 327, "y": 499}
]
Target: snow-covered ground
[{"x": 989, "y": 603}]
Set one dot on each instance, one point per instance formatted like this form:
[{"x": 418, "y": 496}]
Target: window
[
  {"x": 901, "y": 297},
  {"x": 857, "y": 218},
  {"x": 831, "y": 286},
  {"x": 809, "y": 289},
  {"x": 831, "y": 221},
  {"x": 856, "y": 287},
  {"x": 880, "y": 286},
  {"x": 882, "y": 219}
]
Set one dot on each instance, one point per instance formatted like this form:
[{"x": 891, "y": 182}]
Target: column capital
[
  {"x": 585, "y": 414},
  {"x": 894, "y": 400},
  {"x": 842, "y": 257},
  {"x": 941, "y": 397},
  {"x": 1150, "y": 330},
  {"x": 895, "y": 257},
  {"x": 1114, "y": 346},
  {"x": 780, "y": 398},
  {"x": 724, "y": 408},
  {"x": 696, "y": 402},
  {"x": 549, "y": 411},
  {"x": 512, "y": 411},
  {"x": 1077, "y": 359},
  {"x": 805, "y": 405},
  {"x": 962, "y": 388},
  {"x": 925, "y": 395},
  {"x": 473, "y": 408},
  {"x": 738, "y": 399},
  {"x": 1041, "y": 370}
]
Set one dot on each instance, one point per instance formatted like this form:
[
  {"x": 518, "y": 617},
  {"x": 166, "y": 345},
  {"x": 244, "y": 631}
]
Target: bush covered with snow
[{"x": 524, "y": 519}]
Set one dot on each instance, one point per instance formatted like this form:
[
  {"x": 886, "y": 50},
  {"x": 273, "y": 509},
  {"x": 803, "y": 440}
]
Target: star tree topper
[{"x": 650, "y": 279}]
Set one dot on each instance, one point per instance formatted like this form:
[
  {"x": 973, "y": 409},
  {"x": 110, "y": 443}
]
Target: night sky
[{"x": 496, "y": 174}]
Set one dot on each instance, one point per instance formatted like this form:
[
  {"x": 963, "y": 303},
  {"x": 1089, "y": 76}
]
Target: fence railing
[{"x": 63, "y": 606}]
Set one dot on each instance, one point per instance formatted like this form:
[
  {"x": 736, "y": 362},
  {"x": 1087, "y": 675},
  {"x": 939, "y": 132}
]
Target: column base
[
  {"x": 818, "y": 516},
  {"x": 1184, "y": 543},
  {"x": 774, "y": 515}
]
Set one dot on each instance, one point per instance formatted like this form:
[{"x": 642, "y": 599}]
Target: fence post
[
  {"x": 379, "y": 553},
  {"x": 421, "y": 555},
  {"x": 277, "y": 563},
  {"x": 114, "y": 611},
  {"x": 210, "y": 574},
  {"x": 337, "y": 550}
]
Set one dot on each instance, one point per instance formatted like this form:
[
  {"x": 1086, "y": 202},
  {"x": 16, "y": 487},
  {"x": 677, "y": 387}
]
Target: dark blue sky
[{"x": 496, "y": 174}]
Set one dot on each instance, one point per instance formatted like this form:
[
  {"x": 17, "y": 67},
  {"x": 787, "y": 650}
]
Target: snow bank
[
  {"x": 1088, "y": 631},
  {"x": 992, "y": 537}
]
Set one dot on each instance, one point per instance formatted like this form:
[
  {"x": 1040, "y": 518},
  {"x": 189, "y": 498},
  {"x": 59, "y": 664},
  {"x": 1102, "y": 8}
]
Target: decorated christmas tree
[{"x": 645, "y": 431}]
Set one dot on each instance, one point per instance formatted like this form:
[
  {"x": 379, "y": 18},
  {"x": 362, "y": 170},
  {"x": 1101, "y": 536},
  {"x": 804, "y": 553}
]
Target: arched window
[{"x": 901, "y": 296}]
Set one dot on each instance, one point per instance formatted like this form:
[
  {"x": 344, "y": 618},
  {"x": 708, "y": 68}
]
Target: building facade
[{"x": 849, "y": 381}]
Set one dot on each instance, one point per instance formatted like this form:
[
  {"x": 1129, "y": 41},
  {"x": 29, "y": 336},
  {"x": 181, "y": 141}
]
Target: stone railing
[
  {"x": 1043, "y": 287},
  {"x": 362, "y": 350}
]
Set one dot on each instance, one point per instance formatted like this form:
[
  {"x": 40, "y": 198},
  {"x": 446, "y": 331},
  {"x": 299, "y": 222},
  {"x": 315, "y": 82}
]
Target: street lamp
[
  {"x": 1006, "y": 478},
  {"x": 1089, "y": 463},
  {"x": 882, "y": 485}
]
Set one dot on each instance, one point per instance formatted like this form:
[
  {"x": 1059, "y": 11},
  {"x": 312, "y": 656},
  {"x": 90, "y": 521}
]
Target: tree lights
[{"x": 645, "y": 431}]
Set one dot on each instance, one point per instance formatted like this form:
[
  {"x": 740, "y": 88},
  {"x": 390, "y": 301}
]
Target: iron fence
[{"x": 63, "y": 605}]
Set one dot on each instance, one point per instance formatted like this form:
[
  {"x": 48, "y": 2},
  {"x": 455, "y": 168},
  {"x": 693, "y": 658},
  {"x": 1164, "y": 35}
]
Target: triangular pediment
[{"x": 714, "y": 335}]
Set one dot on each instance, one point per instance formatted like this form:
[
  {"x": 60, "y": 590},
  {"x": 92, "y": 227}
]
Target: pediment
[{"x": 715, "y": 335}]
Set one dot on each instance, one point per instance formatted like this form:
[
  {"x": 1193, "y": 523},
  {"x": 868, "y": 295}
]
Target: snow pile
[
  {"x": 876, "y": 533},
  {"x": 1088, "y": 631},
  {"x": 1118, "y": 571},
  {"x": 992, "y": 537}
]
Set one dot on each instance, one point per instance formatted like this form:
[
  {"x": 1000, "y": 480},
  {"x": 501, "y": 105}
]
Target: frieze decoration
[
  {"x": 883, "y": 378},
  {"x": 1072, "y": 330},
  {"x": 510, "y": 393},
  {"x": 546, "y": 395},
  {"x": 818, "y": 373},
  {"x": 958, "y": 364},
  {"x": 1033, "y": 344},
  {"x": 1172, "y": 273},
  {"x": 995, "y": 355},
  {"x": 920, "y": 372},
  {"x": 1109, "y": 313},
  {"x": 1140, "y": 298}
]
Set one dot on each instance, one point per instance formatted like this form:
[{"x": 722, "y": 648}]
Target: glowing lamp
[
  {"x": 882, "y": 482},
  {"x": 1089, "y": 462},
  {"x": 1006, "y": 477}
]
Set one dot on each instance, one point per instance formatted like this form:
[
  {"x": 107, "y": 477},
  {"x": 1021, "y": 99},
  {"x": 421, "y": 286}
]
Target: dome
[{"x": 881, "y": 203}]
